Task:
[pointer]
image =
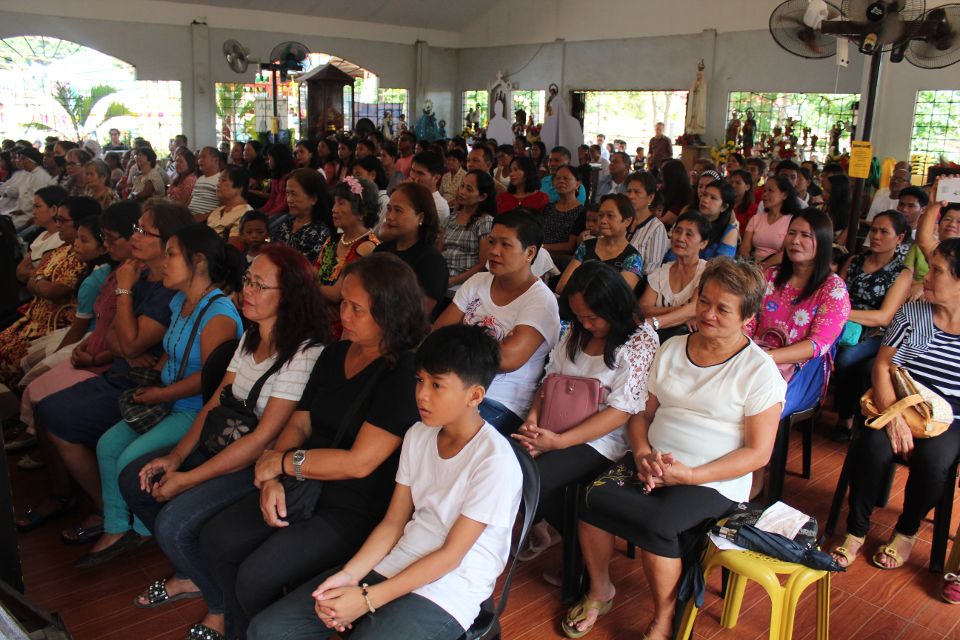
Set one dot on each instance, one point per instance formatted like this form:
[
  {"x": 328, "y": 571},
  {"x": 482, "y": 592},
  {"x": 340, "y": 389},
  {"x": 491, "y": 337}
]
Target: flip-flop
[
  {"x": 890, "y": 550},
  {"x": 201, "y": 631},
  {"x": 36, "y": 519},
  {"x": 579, "y": 612},
  {"x": 156, "y": 595}
]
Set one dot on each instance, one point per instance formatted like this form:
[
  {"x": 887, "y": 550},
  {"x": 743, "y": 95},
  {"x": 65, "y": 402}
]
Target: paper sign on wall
[{"x": 861, "y": 155}]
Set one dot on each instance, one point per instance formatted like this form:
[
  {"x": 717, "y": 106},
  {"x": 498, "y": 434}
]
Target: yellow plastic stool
[{"x": 765, "y": 571}]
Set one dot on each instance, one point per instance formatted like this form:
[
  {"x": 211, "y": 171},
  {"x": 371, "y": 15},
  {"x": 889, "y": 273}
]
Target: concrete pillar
[{"x": 201, "y": 104}]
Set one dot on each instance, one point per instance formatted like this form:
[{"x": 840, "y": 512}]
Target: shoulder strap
[
  {"x": 358, "y": 400},
  {"x": 254, "y": 396},
  {"x": 193, "y": 335}
]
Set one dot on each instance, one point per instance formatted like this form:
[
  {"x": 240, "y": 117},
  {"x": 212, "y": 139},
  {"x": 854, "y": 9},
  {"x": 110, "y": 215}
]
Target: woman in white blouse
[
  {"x": 693, "y": 457},
  {"x": 606, "y": 341},
  {"x": 669, "y": 302},
  {"x": 176, "y": 491}
]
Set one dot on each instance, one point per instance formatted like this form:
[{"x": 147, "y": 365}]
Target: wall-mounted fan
[
  {"x": 284, "y": 58},
  {"x": 288, "y": 56},
  {"x": 237, "y": 55}
]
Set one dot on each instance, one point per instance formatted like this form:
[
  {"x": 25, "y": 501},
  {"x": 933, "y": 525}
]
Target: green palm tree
[{"x": 79, "y": 107}]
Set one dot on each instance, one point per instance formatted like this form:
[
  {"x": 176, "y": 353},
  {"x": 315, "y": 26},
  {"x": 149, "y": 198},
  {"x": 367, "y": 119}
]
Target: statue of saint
[
  {"x": 749, "y": 131},
  {"x": 696, "y": 120},
  {"x": 733, "y": 128},
  {"x": 835, "y": 134},
  {"x": 386, "y": 125}
]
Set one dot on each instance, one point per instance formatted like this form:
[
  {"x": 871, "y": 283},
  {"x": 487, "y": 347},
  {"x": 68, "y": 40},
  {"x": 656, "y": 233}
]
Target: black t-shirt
[
  {"x": 590, "y": 253},
  {"x": 391, "y": 405},
  {"x": 428, "y": 263},
  {"x": 150, "y": 299}
]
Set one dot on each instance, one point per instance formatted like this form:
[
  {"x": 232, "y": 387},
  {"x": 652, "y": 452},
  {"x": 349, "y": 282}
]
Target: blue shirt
[
  {"x": 88, "y": 292},
  {"x": 178, "y": 335},
  {"x": 546, "y": 185},
  {"x": 712, "y": 250}
]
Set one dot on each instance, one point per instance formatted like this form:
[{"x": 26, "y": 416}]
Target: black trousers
[
  {"x": 580, "y": 463},
  {"x": 928, "y": 463},
  {"x": 254, "y": 563}
]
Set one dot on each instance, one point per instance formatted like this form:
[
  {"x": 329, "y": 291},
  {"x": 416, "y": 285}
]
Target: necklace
[{"x": 347, "y": 243}]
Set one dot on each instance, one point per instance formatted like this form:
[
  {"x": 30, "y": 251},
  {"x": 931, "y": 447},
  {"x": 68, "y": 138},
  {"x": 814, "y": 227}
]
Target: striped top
[{"x": 930, "y": 355}]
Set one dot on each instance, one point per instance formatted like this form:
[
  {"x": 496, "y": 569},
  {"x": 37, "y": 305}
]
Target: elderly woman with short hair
[{"x": 693, "y": 457}]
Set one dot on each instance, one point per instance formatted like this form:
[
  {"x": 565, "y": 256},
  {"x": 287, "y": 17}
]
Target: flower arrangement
[
  {"x": 533, "y": 133},
  {"x": 722, "y": 150},
  {"x": 689, "y": 139}
]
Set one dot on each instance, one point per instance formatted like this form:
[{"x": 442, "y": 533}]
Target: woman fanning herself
[
  {"x": 764, "y": 234},
  {"x": 175, "y": 491},
  {"x": 605, "y": 343},
  {"x": 409, "y": 231},
  {"x": 517, "y": 309},
  {"x": 346, "y": 432},
  {"x": 196, "y": 260},
  {"x": 693, "y": 457},
  {"x": 463, "y": 237},
  {"x": 924, "y": 339},
  {"x": 612, "y": 248},
  {"x": 669, "y": 301},
  {"x": 806, "y": 305},
  {"x": 878, "y": 284},
  {"x": 524, "y": 189}
]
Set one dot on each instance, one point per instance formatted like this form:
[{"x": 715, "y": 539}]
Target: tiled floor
[{"x": 865, "y": 602}]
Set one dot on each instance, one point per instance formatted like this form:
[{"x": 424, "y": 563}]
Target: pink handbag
[{"x": 568, "y": 401}]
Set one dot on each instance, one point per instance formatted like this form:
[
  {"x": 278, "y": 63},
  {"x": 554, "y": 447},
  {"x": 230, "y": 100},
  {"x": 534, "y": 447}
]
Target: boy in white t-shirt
[{"x": 435, "y": 557}]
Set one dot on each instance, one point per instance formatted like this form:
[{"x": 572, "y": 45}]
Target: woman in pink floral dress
[{"x": 805, "y": 305}]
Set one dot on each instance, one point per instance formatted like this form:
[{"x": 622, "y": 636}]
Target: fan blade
[{"x": 941, "y": 48}]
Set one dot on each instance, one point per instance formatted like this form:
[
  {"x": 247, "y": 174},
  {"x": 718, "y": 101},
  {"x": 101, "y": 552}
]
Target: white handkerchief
[{"x": 783, "y": 519}]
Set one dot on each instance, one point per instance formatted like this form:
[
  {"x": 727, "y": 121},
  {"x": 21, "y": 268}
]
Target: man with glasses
[{"x": 888, "y": 198}]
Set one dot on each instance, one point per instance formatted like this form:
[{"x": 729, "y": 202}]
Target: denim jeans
[
  {"x": 851, "y": 375},
  {"x": 409, "y": 616},
  {"x": 177, "y": 524},
  {"x": 505, "y": 421}
]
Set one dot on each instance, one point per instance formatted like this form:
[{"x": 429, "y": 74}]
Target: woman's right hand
[
  {"x": 273, "y": 504},
  {"x": 162, "y": 465},
  {"x": 901, "y": 438},
  {"x": 79, "y": 358},
  {"x": 128, "y": 273}
]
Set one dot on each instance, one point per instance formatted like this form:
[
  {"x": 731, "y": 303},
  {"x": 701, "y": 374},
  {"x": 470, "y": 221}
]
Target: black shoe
[
  {"x": 127, "y": 542},
  {"x": 840, "y": 433}
]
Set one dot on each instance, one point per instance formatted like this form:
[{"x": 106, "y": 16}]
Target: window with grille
[
  {"x": 245, "y": 109},
  {"x": 632, "y": 116},
  {"x": 374, "y": 104},
  {"x": 818, "y": 112},
  {"x": 532, "y": 102},
  {"x": 476, "y": 100},
  {"x": 936, "y": 131}
]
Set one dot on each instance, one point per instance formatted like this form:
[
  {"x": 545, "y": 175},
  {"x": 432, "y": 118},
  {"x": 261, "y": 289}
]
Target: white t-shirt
[
  {"x": 204, "y": 198},
  {"x": 881, "y": 202},
  {"x": 537, "y": 308},
  {"x": 45, "y": 242},
  {"x": 659, "y": 281},
  {"x": 626, "y": 383},
  {"x": 287, "y": 383},
  {"x": 702, "y": 409},
  {"x": 443, "y": 208},
  {"x": 482, "y": 482}
]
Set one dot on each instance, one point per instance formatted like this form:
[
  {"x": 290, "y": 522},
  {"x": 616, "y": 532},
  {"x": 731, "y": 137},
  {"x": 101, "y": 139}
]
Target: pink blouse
[
  {"x": 767, "y": 238},
  {"x": 820, "y": 318}
]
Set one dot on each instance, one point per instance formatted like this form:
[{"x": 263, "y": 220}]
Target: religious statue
[
  {"x": 559, "y": 127},
  {"x": 443, "y": 130},
  {"x": 386, "y": 125},
  {"x": 499, "y": 127},
  {"x": 749, "y": 129},
  {"x": 426, "y": 128},
  {"x": 733, "y": 128},
  {"x": 696, "y": 120},
  {"x": 835, "y": 134},
  {"x": 553, "y": 90}
]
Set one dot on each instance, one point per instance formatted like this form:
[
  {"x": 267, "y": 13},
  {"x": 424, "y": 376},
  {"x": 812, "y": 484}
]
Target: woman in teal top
[{"x": 196, "y": 261}]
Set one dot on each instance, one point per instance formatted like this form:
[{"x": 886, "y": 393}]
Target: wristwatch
[
  {"x": 122, "y": 292},
  {"x": 655, "y": 322},
  {"x": 298, "y": 457}
]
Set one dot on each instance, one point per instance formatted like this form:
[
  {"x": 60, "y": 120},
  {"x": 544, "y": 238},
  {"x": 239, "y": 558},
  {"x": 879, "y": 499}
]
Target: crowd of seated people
[{"x": 386, "y": 317}]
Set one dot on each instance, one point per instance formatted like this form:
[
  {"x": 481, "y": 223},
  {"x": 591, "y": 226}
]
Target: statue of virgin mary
[{"x": 696, "y": 120}]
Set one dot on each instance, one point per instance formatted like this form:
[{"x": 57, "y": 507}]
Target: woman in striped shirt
[{"x": 924, "y": 338}]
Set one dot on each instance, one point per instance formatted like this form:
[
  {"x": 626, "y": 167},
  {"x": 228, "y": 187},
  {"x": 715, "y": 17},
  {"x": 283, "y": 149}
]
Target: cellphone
[{"x": 948, "y": 190}]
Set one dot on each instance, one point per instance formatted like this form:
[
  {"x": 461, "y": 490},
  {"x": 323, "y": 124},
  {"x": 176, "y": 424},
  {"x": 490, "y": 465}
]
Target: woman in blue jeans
[
  {"x": 174, "y": 491},
  {"x": 878, "y": 284}
]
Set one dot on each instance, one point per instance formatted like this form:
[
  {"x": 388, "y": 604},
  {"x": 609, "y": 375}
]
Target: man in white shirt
[
  {"x": 888, "y": 198},
  {"x": 604, "y": 152},
  {"x": 426, "y": 170},
  {"x": 615, "y": 180},
  {"x": 10, "y": 189},
  {"x": 204, "y": 198},
  {"x": 596, "y": 157},
  {"x": 35, "y": 177}
]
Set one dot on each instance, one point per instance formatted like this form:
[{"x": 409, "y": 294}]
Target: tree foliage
[{"x": 79, "y": 108}]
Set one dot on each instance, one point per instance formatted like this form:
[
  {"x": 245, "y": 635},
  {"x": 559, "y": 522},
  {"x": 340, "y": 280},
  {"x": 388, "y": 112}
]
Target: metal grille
[
  {"x": 936, "y": 131},
  {"x": 369, "y": 105}
]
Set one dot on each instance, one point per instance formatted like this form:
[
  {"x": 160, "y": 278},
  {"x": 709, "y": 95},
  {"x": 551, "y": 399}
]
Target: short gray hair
[{"x": 743, "y": 279}]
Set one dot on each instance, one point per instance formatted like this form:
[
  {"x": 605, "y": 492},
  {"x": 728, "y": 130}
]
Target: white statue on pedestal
[
  {"x": 560, "y": 128},
  {"x": 696, "y": 120}
]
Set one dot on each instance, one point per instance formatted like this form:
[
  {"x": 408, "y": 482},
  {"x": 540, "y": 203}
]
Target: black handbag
[
  {"x": 748, "y": 514},
  {"x": 143, "y": 417},
  {"x": 302, "y": 496},
  {"x": 233, "y": 418}
]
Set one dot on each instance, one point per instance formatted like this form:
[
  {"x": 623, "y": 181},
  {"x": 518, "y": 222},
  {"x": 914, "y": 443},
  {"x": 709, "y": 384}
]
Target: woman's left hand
[
  {"x": 675, "y": 472},
  {"x": 149, "y": 395},
  {"x": 267, "y": 467},
  {"x": 169, "y": 486},
  {"x": 338, "y": 608},
  {"x": 537, "y": 440},
  {"x": 901, "y": 438}
]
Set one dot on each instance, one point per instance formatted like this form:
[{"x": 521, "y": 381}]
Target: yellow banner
[{"x": 861, "y": 154}]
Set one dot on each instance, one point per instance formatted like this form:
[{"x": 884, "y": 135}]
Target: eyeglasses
[
  {"x": 110, "y": 238},
  {"x": 138, "y": 229},
  {"x": 259, "y": 286},
  {"x": 59, "y": 219}
]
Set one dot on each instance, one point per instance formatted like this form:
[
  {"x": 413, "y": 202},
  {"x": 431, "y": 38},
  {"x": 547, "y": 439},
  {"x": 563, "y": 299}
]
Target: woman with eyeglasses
[
  {"x": 53, "y": 286},
  {"x": 97, "y": 174},
  {"x": 174, "y": 491},
  {"x": 70, "y": 422},
  {"x": 76, "y": 182}
]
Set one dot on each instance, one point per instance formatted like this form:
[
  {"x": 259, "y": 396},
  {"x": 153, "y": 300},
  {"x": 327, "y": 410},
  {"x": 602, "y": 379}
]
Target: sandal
[
  {"x": 889, "y": 550},
  {"x": 201, "y": 631},
  {"x": 844, "y": 550},
  {"x": 33, "y": 518},
  {"x": 580, "y": 612},
  {"x": 82, "y": 535},
  {"x": 533, "y": 548},
  {"x": 951, "y": 588},
  {"x": 156, "y": 595}
]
